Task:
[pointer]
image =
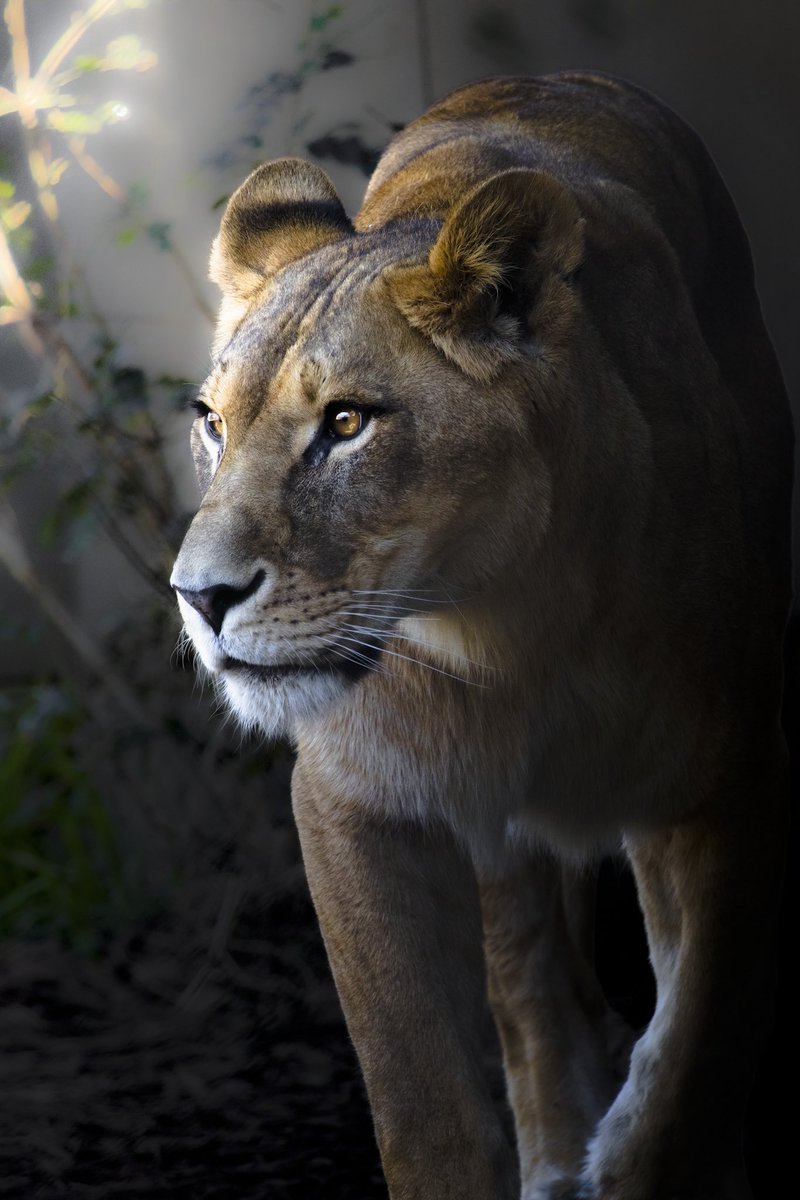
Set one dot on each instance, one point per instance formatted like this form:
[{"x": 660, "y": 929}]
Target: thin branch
[
  {"x": 20, "y": 300},
  {"x": 113, "y": 530},
  {"x": 15, "y": 558},
  {"x": 71, "y": 36},
  {"x": 20, "y": 57},
  {"x": 8, "y": 102},
  {"x": 77, "y": 148},
  {"x": 11, "y": 281}
]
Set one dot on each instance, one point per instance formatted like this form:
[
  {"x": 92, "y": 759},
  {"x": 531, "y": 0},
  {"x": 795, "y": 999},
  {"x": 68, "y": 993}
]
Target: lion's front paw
[
  {"x": 558, "y": 1189},
  {"x": 635, "y": 1156},
  {"x": 630, "y": 1156}
]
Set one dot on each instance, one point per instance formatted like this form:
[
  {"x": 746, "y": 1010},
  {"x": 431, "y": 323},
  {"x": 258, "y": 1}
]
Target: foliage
[
  {"x": 59, "y": 861},
  {"x": 92, "y": 428},
  {"x": 320, "y": 50},
  {"x": 116, "y": 780}
]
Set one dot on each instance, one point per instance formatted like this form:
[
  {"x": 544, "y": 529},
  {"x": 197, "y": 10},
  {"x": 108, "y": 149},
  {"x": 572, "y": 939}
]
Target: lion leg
[
  {"x": 399, "y": 913},
  {"x": 565, "y": 1053},
  {"x": 709, "y": 890}
]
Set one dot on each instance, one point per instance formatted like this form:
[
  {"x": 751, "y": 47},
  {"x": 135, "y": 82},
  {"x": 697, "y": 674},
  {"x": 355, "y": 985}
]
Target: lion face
[{"x": 356, "y": 474}]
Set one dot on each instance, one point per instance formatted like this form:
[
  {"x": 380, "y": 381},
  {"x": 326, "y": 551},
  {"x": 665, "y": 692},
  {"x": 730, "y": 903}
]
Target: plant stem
[
  {"x": 20, "y": 59},
  {"x": 77, "y": 148},
  {"x": 71, "y": 36},
  {"x": 15, "y": 558}
]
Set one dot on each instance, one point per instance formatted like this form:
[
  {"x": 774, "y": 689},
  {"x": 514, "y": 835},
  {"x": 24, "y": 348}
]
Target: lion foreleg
[
  {"x": 564, "y": 1052},
  {"x": 399, "y": 913},
  {"x": 709, "y": 890}
]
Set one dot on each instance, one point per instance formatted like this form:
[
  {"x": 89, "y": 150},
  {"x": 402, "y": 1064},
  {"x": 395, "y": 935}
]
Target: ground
[
  {"x": 181, "y": 1068},
  {"x": 147, "y": 1074}
]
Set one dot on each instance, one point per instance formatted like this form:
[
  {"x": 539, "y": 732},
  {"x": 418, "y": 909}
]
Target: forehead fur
[{"x": 318, "y": 301}]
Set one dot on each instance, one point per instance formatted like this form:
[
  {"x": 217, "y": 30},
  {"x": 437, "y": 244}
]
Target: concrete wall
[{"x": 208, "y": 110}]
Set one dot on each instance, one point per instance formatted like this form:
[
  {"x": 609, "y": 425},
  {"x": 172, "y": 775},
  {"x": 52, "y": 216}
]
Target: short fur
[{"x": 531, "y": 612}]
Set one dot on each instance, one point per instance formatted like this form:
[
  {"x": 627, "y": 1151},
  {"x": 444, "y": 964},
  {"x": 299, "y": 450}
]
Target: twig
[
  {"x": 77, "y": 148},
  {"x": 15, "y": 558},
  {"x": 21, "y": 305},
  {"x": 71, "y": 36},
  {"x": 20, "y": 59}
]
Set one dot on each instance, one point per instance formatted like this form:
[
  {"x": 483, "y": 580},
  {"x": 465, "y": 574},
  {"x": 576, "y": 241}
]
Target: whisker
[
  {"x": 359, "y": 659},
  {"x": 395, "y": 607},
  {"x": 364, "y": 629},
  {"x": 418, "y": 662},
  {"x": 423, "y": 596},
  {"x": 381, "y": 616},
  {"x": 450, "y": 597}
]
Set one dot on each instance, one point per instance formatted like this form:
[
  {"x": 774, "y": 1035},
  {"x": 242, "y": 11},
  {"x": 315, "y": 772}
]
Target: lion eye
[
  {"x": 343, "y": 422},
  {"x": 215, "y": 426}
]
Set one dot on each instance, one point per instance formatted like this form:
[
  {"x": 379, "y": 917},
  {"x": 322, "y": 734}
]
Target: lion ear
[
  {"x": 282, "y": 210},
  {"x": 501, "y": 261}
]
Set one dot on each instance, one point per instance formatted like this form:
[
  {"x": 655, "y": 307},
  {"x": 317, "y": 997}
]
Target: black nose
[{"x": 215, "y": 601}]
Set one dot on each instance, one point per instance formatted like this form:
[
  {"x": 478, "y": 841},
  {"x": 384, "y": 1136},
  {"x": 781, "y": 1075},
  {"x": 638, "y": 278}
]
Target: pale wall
[{"x": 729, "y": 67}]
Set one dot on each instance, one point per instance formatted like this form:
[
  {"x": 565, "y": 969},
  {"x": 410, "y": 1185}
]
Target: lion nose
[{"x": 214, "y": 602}]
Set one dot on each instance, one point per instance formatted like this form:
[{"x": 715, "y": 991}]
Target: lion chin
[{"x": 274, "y": 706}]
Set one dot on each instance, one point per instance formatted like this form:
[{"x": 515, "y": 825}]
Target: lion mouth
[
  {"x": 273, "y": 670},
  {"x": 280, "y": 672}
]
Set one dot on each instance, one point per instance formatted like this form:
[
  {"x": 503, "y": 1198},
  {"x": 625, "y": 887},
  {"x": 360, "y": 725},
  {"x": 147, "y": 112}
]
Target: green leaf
[
  {"x": 41, "y": 404},
  {"x": 126, "y": 237},
  {"x": 16, "y": 214},
  {"x": 130, "y": 385},
  {"x": 322, "y": 20},
  {"x": 86, "y": 63},
  {"x": 75, "y": 121},
  {"x": 83, "y": 531},
  {"x": 57, "y": 168},
  {"x": 39, "y": 268},
  {"x": 7, "y": 189},
  {"x": 138, "y": 194},
  {"x": 21, "y": 241},
  {"x": 50, "y": 528},
  {"x": 74, "y": 505},
  {"x": 159, "y": 233},
  {"x": 126, "y": 53}
]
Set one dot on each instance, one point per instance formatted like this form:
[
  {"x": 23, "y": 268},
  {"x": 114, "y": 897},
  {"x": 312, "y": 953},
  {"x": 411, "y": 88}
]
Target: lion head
[{"x": 372, "y": 442}]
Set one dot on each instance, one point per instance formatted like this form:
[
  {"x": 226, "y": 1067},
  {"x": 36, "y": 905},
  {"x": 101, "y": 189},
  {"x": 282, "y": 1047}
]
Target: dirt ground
[
  {"x": 154, "y": 1072},
  {"x": 174, "y": 1068}
]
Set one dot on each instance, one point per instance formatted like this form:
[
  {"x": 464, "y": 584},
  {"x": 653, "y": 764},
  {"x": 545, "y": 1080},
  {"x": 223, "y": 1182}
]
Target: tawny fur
[{"x": 531, "y": 611}]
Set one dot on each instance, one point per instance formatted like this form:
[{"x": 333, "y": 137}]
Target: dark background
[{"x": 167, "y": 1024}]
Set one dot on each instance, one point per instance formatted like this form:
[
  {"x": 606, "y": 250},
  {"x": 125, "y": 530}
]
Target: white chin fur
[{"x": 274, "y": 709}]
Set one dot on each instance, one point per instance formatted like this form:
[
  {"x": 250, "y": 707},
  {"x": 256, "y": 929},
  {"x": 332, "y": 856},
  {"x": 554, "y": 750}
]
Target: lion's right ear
[
  {"x": 499, "y": 271},
  {"x": 282, "y": 210}
]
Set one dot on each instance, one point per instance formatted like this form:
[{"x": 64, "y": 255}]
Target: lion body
[{"x": 533, "y": 605}]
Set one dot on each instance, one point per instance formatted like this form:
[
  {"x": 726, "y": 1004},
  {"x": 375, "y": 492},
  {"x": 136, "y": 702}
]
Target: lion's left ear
[
  {"x": 284, "y": 209},
  {"x": 504, "y": 254}
]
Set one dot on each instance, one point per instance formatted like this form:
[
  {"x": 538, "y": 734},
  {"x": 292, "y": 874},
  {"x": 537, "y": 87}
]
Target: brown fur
[{"x": 533, "y": 610}]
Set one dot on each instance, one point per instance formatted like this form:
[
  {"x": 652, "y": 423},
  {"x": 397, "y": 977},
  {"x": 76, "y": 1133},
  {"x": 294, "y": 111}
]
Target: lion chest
[{"x": 500, "y": 769}]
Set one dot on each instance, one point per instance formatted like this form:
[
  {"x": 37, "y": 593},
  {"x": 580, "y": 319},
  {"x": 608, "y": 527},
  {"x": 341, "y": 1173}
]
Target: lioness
[{"x": 495, "y": 528}]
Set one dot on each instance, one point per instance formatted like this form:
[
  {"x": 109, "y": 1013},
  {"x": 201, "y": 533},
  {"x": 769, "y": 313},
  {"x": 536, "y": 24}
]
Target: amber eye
[
  {"x": 343, "y": 422},
  {"x": 215, "y": 426}
]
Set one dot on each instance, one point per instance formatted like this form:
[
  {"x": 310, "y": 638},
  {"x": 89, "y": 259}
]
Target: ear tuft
[
  {"x": 495, "y": 253},
  {"x": 283, "y": 210}
]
